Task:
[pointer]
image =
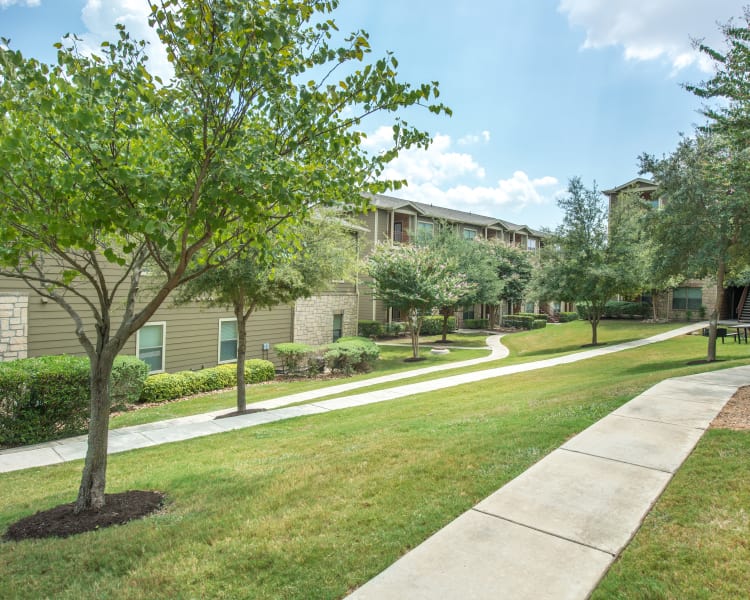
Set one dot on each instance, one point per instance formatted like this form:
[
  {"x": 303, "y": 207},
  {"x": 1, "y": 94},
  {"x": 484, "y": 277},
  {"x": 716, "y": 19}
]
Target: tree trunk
[
  {"x": 239, "y": 312},
  {"x": 94, "y": 478},
  {"x": 415, "y": 326},
  {"x": 445, "y": 326},
  {"x": 714, "y": 324}
]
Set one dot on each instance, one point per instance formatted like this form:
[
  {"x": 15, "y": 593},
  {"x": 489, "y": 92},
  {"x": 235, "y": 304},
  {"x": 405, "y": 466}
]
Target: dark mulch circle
[
  {"x": 61, "y": 521},
  {"x": 411, "y": 359},
  {"x": 237, "y": 413}
]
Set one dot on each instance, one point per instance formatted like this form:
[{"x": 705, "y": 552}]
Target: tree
[
  {"x": 108, "y": 172},
  {"x": 323, "y": 251},
  {"x": 472, "y": 259},
  {"x": 514, "y": 269},
  {"x": 703, "y": 227},
  {"x": 415, "y": 280},
  {"x": 581, "y": 263}
]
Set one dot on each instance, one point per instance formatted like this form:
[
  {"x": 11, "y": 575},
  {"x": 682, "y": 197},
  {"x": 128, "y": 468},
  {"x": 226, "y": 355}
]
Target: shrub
[
  {"x": 370, "y": 329},
  {"x": 351, "y": 354},
  {"x": 48, "y": 397},
  {"x": 433, "y": 325},
  {"x": 539, "y": 323},
  {"x": 618, "y": 309},
  {"x": 518, "y": 321},
  {"x": 293, "y": 355},
  {"x": 476, "y": 323},
  {"x": 169, "y": 386},
  {"x": 394, "y": 328},
  {"x": 533, "y": 315},
  {"x": 567, "y": 317}
]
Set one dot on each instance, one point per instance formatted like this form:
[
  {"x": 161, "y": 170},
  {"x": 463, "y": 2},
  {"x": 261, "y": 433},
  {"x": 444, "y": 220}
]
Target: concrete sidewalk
[
  {"x": 173, "y": 430},
  {"x": 553, "y": 532}
]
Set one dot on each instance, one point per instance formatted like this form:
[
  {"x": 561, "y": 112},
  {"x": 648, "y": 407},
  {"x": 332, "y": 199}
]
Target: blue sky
[{"x": 541, "y": 90}]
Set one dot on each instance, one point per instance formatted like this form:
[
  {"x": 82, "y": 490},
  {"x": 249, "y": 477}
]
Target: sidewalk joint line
[
  {"x": 634, "y": 418},
  {"x": 544, "y": 531},
  {"x": 617, "y": 460}
]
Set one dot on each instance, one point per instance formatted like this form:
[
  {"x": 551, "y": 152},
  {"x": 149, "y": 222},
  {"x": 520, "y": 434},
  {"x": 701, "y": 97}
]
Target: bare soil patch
[
  {"x": 736, "y": 413},
  {"x": 61, "y": 521}
]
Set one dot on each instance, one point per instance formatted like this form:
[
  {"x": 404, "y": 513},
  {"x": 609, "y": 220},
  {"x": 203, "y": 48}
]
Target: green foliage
[
  {"x": 617, "y": 309},
  {"x": 567, "y": 317},
  {"x": 370, "y": 329},
  {"x": 519, "y": 321},
  {"x": 476, "y": 323},
  {"x": 394, "y": 329},
  {"x": 48, "y": 397},
  {"x": 539, "y": 323},
  {"x": 433, "y": 325},
  {"x": 169, "y": 386},
  {"x": 533, "y": 315},
  {"x": 293, "y": 355},
  {"x": 351, "y": 354}
]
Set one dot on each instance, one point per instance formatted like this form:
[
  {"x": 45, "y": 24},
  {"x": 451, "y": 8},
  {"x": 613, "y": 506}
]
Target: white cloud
[
  {"x": 650, "y": 29},
  {"x": 456, "y": 180},
  {"x": 7, "y": 3},
  {"x": 471, "y": 139},
  {"x": 100, "y": 18}
]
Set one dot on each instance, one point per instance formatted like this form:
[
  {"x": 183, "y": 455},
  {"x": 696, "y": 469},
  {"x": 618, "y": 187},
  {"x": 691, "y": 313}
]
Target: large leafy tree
[
  {"x": 108, "y": 171},
  {"x": 703, "y": 227},
  {"x": 324, "y": 250},
  {"x": 514, "y": 268},
  {"x": 581, "y": 262},
  {"x": 472, "y": 259},
  {"x": 415, "y": 279}
]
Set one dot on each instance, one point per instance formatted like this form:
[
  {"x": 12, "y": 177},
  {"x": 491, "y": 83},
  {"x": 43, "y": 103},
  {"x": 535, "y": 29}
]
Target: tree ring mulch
[
  {"x": 62, "y": 522},
  {"x": 237, "y": 413},
  {"x": 412, "y": 359},
  {"x": 736, "y": 412}
]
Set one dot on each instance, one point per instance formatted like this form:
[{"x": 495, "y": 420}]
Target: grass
[
  {"x": 465, "y": 340},
  {"x": 313, "y": 507},
  {"x": 524, "y": 347},
  {"x": 694, "y": 543}
]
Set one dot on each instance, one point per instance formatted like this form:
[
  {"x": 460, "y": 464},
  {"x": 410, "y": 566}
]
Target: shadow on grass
[{"x": 676, "y": 365}]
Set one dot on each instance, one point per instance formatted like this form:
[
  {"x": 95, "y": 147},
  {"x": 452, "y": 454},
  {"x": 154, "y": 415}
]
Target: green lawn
[{"x": 313, "y": 507}]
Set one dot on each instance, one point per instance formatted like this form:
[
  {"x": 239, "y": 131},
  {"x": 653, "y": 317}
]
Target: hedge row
[
  {"x": 47, "y": 398},
  {"x": 346, "y": 355},
  {"x": 168, "y": 386},
  {"x": 433, "y": 325},
  {"x": 519, "y": 321},
  {"x": 476, "y": 323},
  {"x": 617, "y": 309},
  {"x": 567, "y": 317}
]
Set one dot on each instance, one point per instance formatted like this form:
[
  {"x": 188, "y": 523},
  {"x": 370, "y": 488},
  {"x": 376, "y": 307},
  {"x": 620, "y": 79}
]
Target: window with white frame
[
  {"x": 227, "y": 340},
  {"x": 469, "y": 234},
  {"x": 530, "y": 244},
  {"x": 150, "y": 345}
]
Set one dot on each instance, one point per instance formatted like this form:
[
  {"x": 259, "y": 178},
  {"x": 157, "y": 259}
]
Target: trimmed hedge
[
  {"x": 433, "y": 325},
  {"x": 369, "y": 329},
  {"x": 533, "y": 315},
  {"x": 476, "y": 323},
  {"x": 351, "y": 354},
  {"x": 567, "y": 317},
  {"x": 394, "y": 328},
  {"x": 617, "y": 309},
  {"x": 48, "y": 397},
  {"x": 169, "y": 386},
  {"x": 519, "y": 321},
  {"x": 539, "y": 323},
  {"x": 293, "y": 355}
]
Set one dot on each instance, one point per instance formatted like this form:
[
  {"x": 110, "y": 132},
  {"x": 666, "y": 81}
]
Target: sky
[{"x": 541, "y": 90}]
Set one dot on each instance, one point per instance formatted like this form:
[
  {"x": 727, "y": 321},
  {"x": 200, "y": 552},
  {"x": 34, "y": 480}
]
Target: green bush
[
  {"x": 370, "y": 329},
  {"x": 293, "y": 355},
  {"x": 476, "y": 323},
  {"x": 539, "y": 323},
  {"x": 351, "y": 354},
  {"x": 518, "y": 321},
  {"x": 533, "y": 315},
  {"x": 394, "y": 329},
  {"x": 433, "y": 325},
  {"x": 48, "y": 397},
  {"x": 620, "y": 309},
  {"x": 567, "y": 317},
  {"x": 169, "y": 386}
]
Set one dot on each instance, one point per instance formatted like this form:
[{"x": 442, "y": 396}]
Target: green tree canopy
[{"x": 106, "y": 168}]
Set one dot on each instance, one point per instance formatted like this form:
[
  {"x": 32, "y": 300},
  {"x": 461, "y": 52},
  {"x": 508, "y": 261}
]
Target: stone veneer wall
[
  {"x": 13, "y": 326},
  {"x": 313, "y": 317}
]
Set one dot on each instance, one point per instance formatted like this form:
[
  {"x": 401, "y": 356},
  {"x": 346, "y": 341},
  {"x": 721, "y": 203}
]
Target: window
[
  {"x": 687, "y": 298},
  {"x": 530, "y": 244},
  {"x": 469, "y": 234},
  {"x": 338, "y": 326},
  {"x": 150, "y": 345},
  {"x": 468, "y": 312},
  {"x": 227, "y": 340},
  {"x": 425, "y": 229}
]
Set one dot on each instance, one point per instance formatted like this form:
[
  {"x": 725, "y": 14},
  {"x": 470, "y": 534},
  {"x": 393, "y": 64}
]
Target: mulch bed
[
  {"x": 736, "y": 413},
  {"x": 61, "y": 521}
]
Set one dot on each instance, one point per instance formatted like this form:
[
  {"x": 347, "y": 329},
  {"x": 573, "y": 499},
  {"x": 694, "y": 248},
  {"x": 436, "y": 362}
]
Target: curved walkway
[{"x": 183, "y": 428}]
